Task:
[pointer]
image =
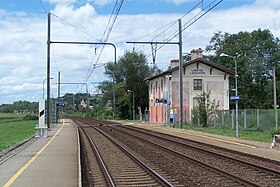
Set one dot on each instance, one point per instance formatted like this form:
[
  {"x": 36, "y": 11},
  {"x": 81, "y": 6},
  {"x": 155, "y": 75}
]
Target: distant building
[{"x": 199, "y": 76}]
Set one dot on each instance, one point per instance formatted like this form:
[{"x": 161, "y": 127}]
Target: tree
[
  {"x": 129, "y": 74},
  {"x": 256, "y": 53},
  {"x": 205, "y": 107}
]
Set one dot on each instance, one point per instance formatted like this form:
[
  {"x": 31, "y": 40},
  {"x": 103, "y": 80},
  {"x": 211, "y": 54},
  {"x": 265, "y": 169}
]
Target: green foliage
[
  {"x": 30, "y": 117},
  {"x": 129, "y": 74},
  {"x": 256, "y": 53},
  {"x": 275, "y": 132},
  {"x": 19, "y": 107},
  {"x": 205, "y": 107},
  {"x": 246, "y": 135}
]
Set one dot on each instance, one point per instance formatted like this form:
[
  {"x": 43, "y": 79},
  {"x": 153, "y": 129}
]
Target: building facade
[{"x": 199, "y": 76}]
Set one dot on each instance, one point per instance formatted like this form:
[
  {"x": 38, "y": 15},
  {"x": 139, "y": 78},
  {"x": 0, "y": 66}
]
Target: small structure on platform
[
  {"x": 276, "y": 142},
  {"x": 41, "y": 129}
]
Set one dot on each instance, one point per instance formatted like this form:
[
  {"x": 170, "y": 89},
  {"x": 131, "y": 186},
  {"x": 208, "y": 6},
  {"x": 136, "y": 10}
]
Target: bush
[
  {"x": 30, "y": 117},
  {"x": 275, "y": 132}
]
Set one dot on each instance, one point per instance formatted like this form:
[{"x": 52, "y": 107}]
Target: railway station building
[{"x": 199, "y": 75}]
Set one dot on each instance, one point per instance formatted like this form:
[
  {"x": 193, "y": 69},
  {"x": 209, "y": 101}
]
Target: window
[{"x": 197, "y": 84}]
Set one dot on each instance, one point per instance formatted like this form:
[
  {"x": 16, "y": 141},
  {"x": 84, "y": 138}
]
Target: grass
[
  {"x": 246, "y": 135},
  {"x": 5, "y": 118},
  {"x": 14, "y": 130}
]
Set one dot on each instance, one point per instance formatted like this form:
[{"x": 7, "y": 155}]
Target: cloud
[
  {"x": 102, "y": 2},
  {"x": 180, "y": 1},
  {"x": 23, "y": 41},
  {"x": 274, "y": 4},
  {"x": 65, "y": 2}
]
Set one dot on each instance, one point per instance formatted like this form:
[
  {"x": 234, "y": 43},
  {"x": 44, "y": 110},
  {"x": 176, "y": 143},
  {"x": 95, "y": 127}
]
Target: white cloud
[
  {"x": 23, "y": 42},
  {"x": 102, "y": 2},
  {"x": 180, "y": 1},
  {"x": 67, "y": 2},
  {"x": 274, "y": 4},
  {"x": 77, "y": 15}
]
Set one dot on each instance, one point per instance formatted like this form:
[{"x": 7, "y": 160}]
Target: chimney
[
  {"x": 174, "y": 63},
  {"x": 196, "y": 53}
]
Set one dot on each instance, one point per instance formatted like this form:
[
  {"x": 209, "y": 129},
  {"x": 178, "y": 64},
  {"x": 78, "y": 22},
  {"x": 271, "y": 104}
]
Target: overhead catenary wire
[
  {"x": 105, "y": 36},
  {"x": 43, "y": 7},
  {"x": 170, "y": 25},
  {"x": 190, "y": 22},
  {"x": 64, "y": 21}
]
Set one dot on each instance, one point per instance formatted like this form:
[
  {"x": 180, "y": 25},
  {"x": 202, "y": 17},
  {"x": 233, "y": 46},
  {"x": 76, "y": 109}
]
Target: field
[{"x": 14, "y": 129}]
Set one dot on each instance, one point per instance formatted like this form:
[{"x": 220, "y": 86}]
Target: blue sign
[
  {"x": 60, "y": 105},
  {"x": 163, "y": 101},
  {"x": 158, "y": 101},
  {"x": 235, "y": 98}
]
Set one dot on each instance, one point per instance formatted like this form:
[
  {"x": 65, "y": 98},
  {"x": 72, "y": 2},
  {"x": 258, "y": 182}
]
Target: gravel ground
[{"x": 261, "y": 149}]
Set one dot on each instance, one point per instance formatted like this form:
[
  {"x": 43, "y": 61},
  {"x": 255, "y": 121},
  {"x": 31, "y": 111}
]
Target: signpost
[
  {"x": 41, "y": 129},
  {"x": 234, "y": 98}
]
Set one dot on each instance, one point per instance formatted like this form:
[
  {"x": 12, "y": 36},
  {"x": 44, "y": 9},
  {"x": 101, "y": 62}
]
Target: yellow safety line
[
  {"x": 10, "y": 182},
  {"x": 217, "y": 139}
]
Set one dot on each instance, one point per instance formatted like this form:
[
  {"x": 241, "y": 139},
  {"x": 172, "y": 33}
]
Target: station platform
[{"x": 50, "y": 161}]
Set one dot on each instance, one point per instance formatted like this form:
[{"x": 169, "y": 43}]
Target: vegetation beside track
[
  {"x": 14, "y": 128},
  {"x": 246, "y": 135}
]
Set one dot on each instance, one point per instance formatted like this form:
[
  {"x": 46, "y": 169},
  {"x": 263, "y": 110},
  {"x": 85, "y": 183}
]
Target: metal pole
[
  {"x": 275, "y": 97},
  {"x": 44, "y": 88},
  {"x": 133, "y": 106},
  {"x": 115, "y": 61},
  {"x": 133, "y": 103},
  {"x": 236, "y": 104},
  {"x": 181, "y": 73},
  {"x": 87, "y": 95},
  {"x": 58, "y": 87},
  {"x": 48, "y": 69},
  {"x": 168, "y": 104}
]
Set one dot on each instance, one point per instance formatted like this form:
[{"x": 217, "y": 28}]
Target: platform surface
[{"x": 50, "y": 161}]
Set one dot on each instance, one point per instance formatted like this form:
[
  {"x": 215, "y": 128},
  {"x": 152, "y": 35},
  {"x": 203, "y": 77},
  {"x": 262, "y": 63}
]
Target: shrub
[{"x": 30, "y": 117}]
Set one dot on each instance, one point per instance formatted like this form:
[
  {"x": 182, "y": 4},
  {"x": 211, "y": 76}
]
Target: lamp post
[
  {"x": 44, "y": 87},
  {"x": 133, "y": 103},
  {"x": 236, "y": 93},
  {"x": 168, "y": 100}
]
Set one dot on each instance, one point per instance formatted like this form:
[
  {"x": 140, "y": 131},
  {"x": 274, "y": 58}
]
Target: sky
[{"x": 23, "y": 37}]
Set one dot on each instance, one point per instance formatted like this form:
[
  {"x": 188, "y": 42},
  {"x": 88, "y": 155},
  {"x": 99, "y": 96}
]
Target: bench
[{"x": 41, "y": 131}]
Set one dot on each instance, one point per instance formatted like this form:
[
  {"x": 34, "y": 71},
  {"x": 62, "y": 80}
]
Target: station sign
[
  {"x": 60, "y": 105},
  {"x": 163, "y": 101},
  {"x": 235, "y": 98}
]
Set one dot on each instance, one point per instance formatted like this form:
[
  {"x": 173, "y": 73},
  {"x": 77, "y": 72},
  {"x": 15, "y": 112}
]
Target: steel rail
[
  {"x": 208, "y": 151},
  {"x": 153, "y": 173},
  {"x": 99, "y": 158},
  {"x": 202, "y": 164}
]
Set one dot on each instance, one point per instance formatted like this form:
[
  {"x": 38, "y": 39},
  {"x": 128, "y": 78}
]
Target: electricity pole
[
  {"x": 49, "y": 42},
  {"x": 180, "y": 44}
]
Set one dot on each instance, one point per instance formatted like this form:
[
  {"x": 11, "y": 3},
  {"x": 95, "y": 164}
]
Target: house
[{"x": 199, "y": 76}]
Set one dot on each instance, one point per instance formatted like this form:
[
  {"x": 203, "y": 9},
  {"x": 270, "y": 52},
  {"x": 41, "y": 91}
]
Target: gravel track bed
[
  {"x": 226, "y": 164},
  {"x": 91, "y": 172},
  {"x": 184, "y": 171},
  {"x": 272, "y": 164},
  {"x": 122, "y": 169},
  {"x": 223, "y": 164}
]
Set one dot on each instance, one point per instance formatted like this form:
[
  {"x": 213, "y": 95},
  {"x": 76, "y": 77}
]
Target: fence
[{"x": 262, "y": 120}]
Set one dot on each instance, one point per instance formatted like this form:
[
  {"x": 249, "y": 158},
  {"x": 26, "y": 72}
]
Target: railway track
[
  {"x": 234, "y": 170},
  {"x": 11, "y": 152},
  {"x": 117, "y": 166}
]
